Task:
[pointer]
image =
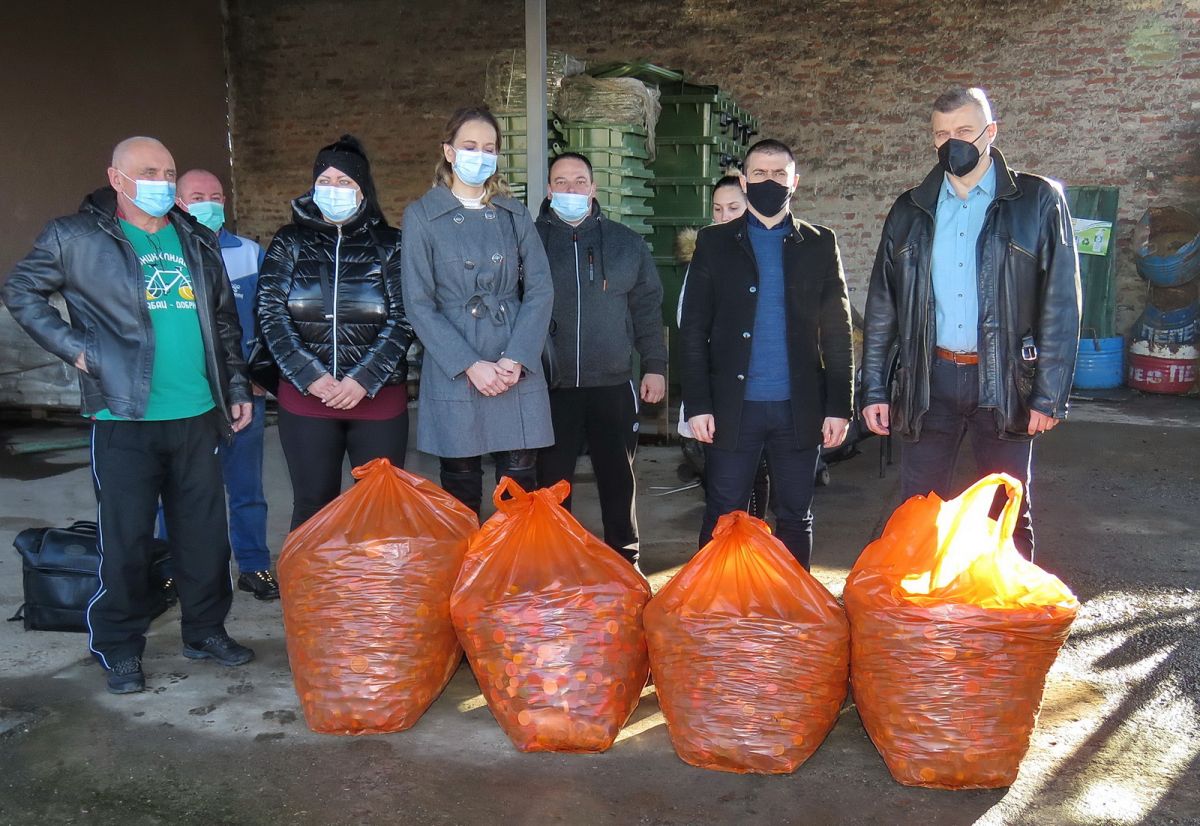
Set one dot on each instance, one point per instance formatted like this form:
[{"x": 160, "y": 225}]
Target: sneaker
[
  {"x": 262, "y": 584},
  {"x": 126, "y": 677},
  {"x": 220, "y": 647}
]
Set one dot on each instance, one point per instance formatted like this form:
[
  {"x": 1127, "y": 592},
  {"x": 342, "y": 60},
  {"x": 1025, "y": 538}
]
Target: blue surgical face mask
[
  {"x": 153, "y": 197},
  {"x": 209, "y": 213},
  {"x": 473, "y": 167},
  {"x": 337, "y": 203},
  {"x": 569, "y": 206}
]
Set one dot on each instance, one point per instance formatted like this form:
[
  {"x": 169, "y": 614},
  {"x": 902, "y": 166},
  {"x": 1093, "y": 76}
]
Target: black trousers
[
  {"x": 315, "y": 449},
  {"x": 133, "y": 465},
  {"x": 765, "y": 426},
  {"x": 462, "y": 476},
  {"x": 605, "y": 419},
  {"x": 954, "y": 412}
]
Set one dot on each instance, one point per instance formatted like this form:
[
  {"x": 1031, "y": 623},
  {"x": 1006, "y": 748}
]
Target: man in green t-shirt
[{"x": 154, "y": 333}]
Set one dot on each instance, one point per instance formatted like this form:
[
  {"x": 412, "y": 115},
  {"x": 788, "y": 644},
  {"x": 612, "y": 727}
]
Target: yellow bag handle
[{"x": 954, "y": 556}]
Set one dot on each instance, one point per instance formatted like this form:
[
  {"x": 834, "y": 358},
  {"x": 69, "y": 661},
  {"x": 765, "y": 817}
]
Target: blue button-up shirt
[{"x": 954, "y": 262}]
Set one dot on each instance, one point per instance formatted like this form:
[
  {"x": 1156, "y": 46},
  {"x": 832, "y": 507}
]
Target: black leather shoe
[
  {"x": 126, "y": 677},
  {"x": 262, "y": 584},
  {"x": 220, "y": 647}
]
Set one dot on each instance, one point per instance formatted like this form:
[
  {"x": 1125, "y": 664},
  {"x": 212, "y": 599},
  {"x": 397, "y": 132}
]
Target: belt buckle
[
  {"x": 476, "y": 307},
  {"x": 1029, "y": 352}
]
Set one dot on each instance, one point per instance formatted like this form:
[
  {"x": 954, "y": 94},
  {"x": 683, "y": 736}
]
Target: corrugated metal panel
[{"x": 29, "y": 376}]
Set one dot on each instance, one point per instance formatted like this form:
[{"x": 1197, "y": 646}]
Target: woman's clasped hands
[{"x": 491, "y": 378}]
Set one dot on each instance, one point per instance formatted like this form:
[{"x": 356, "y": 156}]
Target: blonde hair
[{"x": 443, "y": 172}]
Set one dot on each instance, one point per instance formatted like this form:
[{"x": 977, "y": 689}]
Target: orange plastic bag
[
  {"x": 750, "y": 654},
  {"x": 952, "y": 633},
  {"x": 551, "y": 620},
  {"x": 365, "y": 585}
]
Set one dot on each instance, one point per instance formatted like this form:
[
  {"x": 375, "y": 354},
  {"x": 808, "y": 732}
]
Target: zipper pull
[{"x": 591, "y": 267}]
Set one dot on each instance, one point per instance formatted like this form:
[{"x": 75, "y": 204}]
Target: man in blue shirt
[
  {"x": 765, "y": 350},
  {"x": 976, "y": 287},
  {"x": 200, "y": 193}
]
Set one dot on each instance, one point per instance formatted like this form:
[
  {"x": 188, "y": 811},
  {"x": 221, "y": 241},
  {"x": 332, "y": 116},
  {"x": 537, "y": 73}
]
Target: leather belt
[{"x": 957, "y": 358}]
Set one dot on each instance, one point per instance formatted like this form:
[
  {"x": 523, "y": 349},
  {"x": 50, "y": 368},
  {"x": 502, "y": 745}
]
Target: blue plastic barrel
[
  {"x": 1180, "y": 326},
  {"x": 1100, "y": 364},
  {"x": 1168, "y": 270}
]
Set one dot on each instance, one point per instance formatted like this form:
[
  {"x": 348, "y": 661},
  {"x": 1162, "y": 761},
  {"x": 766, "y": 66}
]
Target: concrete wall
[
  {"x": 78, "y": 77},
  {"x": 1099, "y": 92}
]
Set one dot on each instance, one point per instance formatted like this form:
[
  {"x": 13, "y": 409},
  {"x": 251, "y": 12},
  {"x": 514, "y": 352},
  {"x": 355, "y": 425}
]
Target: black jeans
[
  {"x": 954, "y": 412},
  {"x": 730, "y": 475},
  {"x": 462, "y": 477},
  {"x": 133, "y": 465},
  {"x": 315, "y": 449},
  {"x": 606, "y": 420}
]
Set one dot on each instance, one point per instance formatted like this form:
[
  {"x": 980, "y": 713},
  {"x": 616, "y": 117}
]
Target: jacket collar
[
  {"x": 440, "y": 200},
  {"x": 228, "y": 240},
  {"x": 547, "y": 216},
  {"x": 103, "y": 205},
  {"x": 800, "y": 230},
  {"x": 305, "y": 212},
  {"x": 926, "y": 195}
]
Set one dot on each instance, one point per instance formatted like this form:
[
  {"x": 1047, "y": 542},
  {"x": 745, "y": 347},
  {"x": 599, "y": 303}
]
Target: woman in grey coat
[{"x": 477, "y": 291}]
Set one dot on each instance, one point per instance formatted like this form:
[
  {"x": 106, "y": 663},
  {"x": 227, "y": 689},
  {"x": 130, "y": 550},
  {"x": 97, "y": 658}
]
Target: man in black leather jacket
[
  {"x": 154, "y": 333},
  {"x": 975, "y": 296}
]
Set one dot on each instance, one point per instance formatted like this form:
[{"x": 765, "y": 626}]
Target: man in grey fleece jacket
[{"x": 607, "y": 301}]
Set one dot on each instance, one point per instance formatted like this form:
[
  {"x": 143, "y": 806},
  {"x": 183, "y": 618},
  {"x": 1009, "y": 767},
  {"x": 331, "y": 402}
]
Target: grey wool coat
[{"x": 459, "y": 270}]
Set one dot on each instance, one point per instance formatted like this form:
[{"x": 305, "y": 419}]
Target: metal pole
[{"x": 535, "y": 100}]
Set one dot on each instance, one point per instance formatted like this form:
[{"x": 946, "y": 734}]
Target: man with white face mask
[
  {"x": 765, "y": 350},
  {"x": 976, "y": 286},
  {"x": 607, "y": 302},
  {"x": 200, "y": 192},
  {"x": 154, "y": 334}
]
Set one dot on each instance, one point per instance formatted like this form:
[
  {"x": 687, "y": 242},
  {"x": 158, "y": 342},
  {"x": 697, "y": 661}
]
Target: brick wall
[{"x": 1102, "y": 92}]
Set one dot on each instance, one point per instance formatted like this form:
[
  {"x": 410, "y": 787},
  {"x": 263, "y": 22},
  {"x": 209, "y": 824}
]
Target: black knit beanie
[{"x": 348, "y": 155}]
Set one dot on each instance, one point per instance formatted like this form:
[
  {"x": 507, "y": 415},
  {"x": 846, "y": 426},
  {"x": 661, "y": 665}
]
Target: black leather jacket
[
  {"x": 87, "y": 259},
  {"x": 1029, "y": 304},
  {"x": 329, "y": 300}
]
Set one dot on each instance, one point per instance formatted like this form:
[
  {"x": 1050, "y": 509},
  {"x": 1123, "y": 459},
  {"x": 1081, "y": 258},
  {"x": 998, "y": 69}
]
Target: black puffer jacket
[
  {"x": 329, "y": 300},
  {"x": 1029, "y": 304}
]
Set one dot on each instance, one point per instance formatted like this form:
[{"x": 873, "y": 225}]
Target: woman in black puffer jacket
[{"x": 330, "y": 310}]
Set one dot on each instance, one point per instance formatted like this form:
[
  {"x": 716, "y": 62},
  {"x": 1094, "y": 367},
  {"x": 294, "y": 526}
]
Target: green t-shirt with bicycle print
[{"x": 179, "y": 382}]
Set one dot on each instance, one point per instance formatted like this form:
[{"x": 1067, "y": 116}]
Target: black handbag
[
  {"x": 549, "y": 355},
  {"x": 60, "y": 572},
  {"x": 261, "y": 367}
]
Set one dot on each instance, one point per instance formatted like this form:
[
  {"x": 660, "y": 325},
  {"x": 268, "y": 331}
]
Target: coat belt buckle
[
  {"x": 485, "y": 306},
  {"x": 476, "y": 307}
]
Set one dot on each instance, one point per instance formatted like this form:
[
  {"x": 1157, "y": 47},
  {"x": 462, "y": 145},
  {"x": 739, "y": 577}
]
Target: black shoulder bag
[
  {"x": 260, "y": 364},
  {"x": 549, "y": 356}
]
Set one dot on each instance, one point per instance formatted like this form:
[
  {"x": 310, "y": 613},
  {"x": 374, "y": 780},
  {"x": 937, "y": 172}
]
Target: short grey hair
[{"x": 960, "y": 96}]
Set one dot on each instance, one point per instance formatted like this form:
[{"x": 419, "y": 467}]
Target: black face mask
[
  {"x": 959, "y": 157},
  {"x": 769, "y": 198}
]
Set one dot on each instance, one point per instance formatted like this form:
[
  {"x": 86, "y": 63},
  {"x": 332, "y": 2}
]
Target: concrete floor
[{"x": 1118, "y": 740}]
